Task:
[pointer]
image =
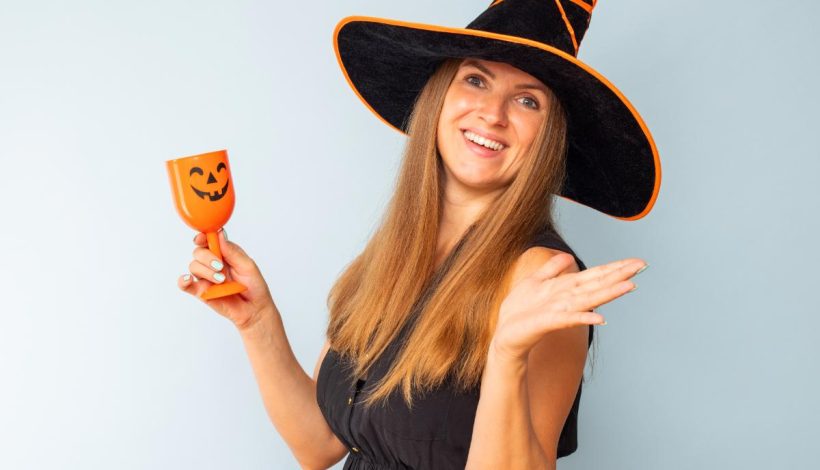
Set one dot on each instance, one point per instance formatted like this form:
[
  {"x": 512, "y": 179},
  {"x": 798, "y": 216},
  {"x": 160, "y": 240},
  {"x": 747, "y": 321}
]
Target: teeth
[{"x": 490, "y": 144}]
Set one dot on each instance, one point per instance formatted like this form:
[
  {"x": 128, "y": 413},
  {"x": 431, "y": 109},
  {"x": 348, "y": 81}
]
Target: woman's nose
[{"x": 493, "y": 110}]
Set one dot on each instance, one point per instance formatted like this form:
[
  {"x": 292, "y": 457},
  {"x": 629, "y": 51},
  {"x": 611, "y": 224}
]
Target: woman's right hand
[{"x": 244, "y": 309}]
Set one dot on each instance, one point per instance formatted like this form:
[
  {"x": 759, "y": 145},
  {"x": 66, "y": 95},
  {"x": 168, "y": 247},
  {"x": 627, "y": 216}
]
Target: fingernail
[
  {"x": 186, "y": 277},
  {"x": 225, "y": 234},
  {"x": 602, "y": 324},
  {"x": 219, "y": 277},
  {"x": 642, "y": 268},
  {"x": 216, "y": 265},
  {"x": 630, "y": 290}
]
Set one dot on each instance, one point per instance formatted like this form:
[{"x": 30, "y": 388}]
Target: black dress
[{"x": 435, "y": 435}]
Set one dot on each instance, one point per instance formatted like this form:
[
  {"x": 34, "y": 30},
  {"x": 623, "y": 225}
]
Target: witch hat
[{"x": 612, "y": 162}]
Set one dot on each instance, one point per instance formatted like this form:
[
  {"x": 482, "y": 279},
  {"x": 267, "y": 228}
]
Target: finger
[
  {"x": 234, "y": 256},
  {"x": 608, "y": 278},
  {"x": 206, "y": 272},
  {"x": 553, "y": 266},
  {"x": 586, "y": 318},
  {"x": 190, "y": 284},
  {"x": 569, "y": 319},
  {"x": 184, "y": 281},
  {"x": 598, "y": 272},
  {"x": 207, "y": 258},
  {"x": 200, "y": 239},
  {"x": 601, "y": 296}
]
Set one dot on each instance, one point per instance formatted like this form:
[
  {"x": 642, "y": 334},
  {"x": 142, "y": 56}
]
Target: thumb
[
  {"x": 235, "y": 256},
  {"x": 553, "y": 266}
]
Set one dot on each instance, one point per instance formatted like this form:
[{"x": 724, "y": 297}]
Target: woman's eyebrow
[
  {"x": 480, "y": 67},
  {"x": 532, "y": 86}
]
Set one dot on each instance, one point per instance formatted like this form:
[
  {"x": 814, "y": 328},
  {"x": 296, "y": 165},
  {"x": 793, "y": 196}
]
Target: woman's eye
[
  {"x": 529, "y": 102},
  {"x": 473, "y": 80}
]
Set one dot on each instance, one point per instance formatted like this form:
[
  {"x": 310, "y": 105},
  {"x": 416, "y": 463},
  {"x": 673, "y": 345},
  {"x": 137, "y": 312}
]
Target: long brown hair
[{"x": 455, "y": 309}]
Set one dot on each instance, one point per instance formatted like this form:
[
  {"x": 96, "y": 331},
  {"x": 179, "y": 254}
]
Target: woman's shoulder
[
  {"x": 533, "y": 258},
  {"x": 543, "y": 247}
]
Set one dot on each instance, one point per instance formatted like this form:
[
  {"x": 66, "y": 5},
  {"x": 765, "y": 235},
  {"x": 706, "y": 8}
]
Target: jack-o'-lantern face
[
  {"x": 207, "y": 191},
  {"x": 202, "y": 188}
]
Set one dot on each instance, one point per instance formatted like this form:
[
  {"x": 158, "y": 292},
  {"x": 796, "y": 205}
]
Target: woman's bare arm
[{"x": 289, "y": 394}]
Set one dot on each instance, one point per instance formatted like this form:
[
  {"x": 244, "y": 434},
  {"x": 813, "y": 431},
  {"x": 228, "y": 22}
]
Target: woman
[{"x": 458, "y": 337}]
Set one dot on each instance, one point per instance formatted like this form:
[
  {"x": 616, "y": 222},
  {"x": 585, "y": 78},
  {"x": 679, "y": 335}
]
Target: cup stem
[{"x": 213, "y": 244}]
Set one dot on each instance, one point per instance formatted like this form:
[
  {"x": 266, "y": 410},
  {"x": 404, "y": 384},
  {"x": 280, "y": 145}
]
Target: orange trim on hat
[
  {"x": 569, "y": 25},
  {"x": 586, "y": 6},
  {"x": 514, "y": 40},
  {"x": 347, "y": 77}
]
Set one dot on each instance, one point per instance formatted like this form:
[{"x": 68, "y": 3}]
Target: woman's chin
[{"x": 479, "y": 182}]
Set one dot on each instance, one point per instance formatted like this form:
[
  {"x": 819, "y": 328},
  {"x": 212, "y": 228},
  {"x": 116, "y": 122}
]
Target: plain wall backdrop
[{"x": 711, "y": 363}]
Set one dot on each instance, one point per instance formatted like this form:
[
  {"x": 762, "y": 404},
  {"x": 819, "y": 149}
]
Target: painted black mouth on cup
[{"x": 217, "y": 195}]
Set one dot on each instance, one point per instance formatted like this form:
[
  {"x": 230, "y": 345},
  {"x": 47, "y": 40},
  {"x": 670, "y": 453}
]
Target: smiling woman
[
  {"x": 490, "y": 117},
  {"x": 467, "y": 218},
  {"x": 457, "y": 338}
]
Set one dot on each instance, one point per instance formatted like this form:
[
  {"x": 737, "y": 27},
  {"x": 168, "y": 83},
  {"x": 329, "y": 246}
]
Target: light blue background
[{"x": 711, "y": 363}]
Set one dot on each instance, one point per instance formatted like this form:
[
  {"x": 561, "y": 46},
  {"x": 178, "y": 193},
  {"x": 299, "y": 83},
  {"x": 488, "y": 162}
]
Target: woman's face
[{"x": 491, "y": 114}]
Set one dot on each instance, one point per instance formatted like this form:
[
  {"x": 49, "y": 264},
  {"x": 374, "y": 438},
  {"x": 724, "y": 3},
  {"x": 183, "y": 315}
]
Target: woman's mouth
[{"x": 482, "y": 146}]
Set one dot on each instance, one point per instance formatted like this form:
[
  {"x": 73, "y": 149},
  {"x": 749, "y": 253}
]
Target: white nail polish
[
  {"x": 216, "y": 265},
  {"x": 186, "y": 277},
  {"x": 219, "y": 277}
]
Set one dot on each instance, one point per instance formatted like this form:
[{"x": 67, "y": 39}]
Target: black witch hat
[{"x": 612, "y": 162}]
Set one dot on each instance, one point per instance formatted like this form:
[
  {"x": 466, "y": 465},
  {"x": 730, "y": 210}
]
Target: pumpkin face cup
[
  {"x": 203, "y": 192},
  {"x": 204, "y": 199}
]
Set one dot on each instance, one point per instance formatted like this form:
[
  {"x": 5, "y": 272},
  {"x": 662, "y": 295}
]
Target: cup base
[{"x": 223, "y": 290}]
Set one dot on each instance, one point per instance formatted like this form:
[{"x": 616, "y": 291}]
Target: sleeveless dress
[{"x": 436, "y": 434}]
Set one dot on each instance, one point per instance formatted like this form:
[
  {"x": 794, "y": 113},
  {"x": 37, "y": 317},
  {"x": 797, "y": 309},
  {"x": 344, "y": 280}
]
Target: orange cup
[{"x": 204, "y": 198}]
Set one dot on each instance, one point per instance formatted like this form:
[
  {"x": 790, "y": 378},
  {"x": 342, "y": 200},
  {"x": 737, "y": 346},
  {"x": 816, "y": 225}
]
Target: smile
[
  {"x": 483, "y": 141},
  {"x": 215, "y": 196}
]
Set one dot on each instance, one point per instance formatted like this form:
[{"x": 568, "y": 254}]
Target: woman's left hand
[{"x": 547, "y": 300}]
